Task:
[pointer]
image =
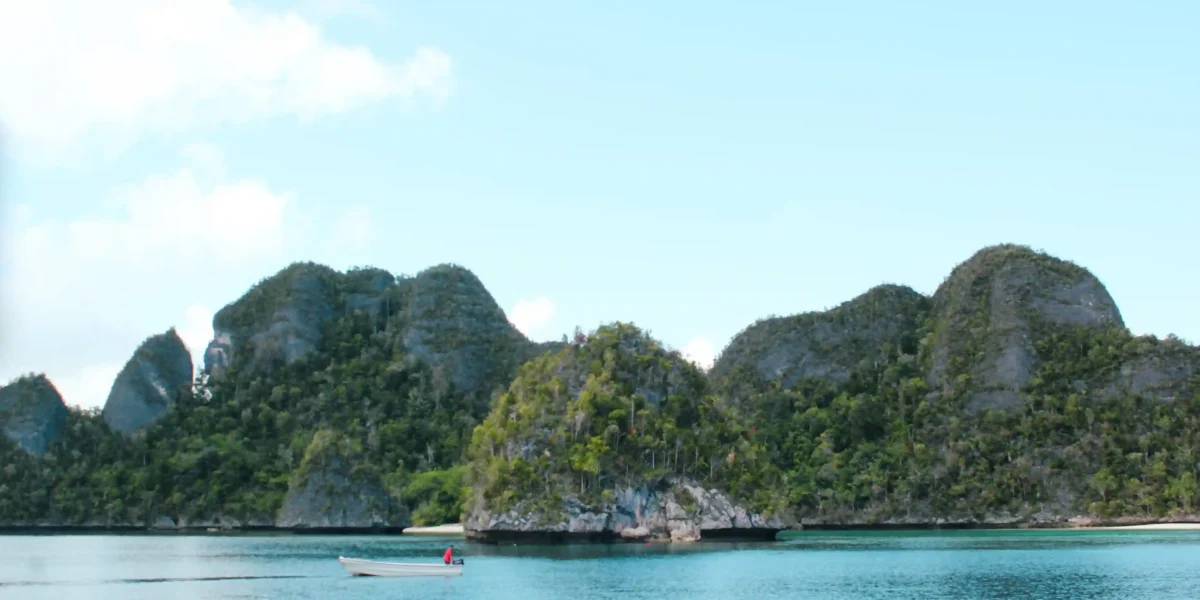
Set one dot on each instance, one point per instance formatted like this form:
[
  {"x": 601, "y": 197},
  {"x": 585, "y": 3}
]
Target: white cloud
[
  {"x": 206, "y": 159},
  {"x": 184, "y": 214},
  {"x": 87, "y": 387},
  {"x": 78, "y": 296},
  {"x": 353, "y": 228},
  {"x": 196, "y": 332},
  {"x": 531, "y": 316},
  {"x": 327, "y": 9},
  {"x": 105, "y": 73},
  {"x": 701, "y": 352}
]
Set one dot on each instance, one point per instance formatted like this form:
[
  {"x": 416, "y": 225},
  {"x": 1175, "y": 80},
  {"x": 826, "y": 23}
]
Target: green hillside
[{"x": 361, "y": 400}]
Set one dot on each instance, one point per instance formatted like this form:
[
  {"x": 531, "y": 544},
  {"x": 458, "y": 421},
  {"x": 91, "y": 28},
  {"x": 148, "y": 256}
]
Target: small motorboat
[{"x": 358, "y": 566}]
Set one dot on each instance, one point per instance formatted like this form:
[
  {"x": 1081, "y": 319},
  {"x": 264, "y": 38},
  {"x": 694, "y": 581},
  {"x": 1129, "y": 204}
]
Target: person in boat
[{"x": 448, "y": 557}]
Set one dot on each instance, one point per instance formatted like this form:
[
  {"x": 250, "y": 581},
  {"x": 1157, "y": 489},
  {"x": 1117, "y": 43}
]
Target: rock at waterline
[{"x": 677, "y": 511}]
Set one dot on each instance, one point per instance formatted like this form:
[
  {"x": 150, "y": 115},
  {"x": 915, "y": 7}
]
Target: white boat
[{"x": 358, "y": 566}]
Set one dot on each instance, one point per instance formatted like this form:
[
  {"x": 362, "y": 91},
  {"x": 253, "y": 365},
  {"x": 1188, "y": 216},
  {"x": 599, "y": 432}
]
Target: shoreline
[
  {"x": 1150, "y": 527},
  {"x": 1180, "y": 526},
  {"x": 457, "y": 529}
]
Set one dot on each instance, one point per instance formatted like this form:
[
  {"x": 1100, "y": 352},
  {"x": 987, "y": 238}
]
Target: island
[{"x": 361, "y": 401}]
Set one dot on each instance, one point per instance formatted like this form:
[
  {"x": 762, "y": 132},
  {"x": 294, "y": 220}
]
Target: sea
[{"x": 1029, "y": 565}]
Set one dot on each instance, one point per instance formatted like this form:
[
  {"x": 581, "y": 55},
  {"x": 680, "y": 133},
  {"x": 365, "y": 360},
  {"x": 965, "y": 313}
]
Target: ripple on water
[{"x": 820, "y": 565}]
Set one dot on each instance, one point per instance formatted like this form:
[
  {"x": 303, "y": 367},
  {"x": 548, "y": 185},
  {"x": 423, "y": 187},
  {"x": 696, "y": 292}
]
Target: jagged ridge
[
  {"x": 150, "y": 382},
  {"x": 829, "y": 344}
]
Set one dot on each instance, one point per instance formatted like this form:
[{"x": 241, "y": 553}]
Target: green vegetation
[
  {"x": 84, "y": 476},
  {"x": 868, "y": 413},
  {"x": 437, "y": 496},
  {"x": 884, "y": 446},
  {"x": 829, "y": 343},
  {"x": 875, "y": 449},
  {"x": 615, "y": 410},
  {"x": 231, "y": 447}
]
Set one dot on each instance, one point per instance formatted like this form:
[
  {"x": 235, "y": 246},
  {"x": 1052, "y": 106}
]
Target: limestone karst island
[{"x": 1014, "y": 396}]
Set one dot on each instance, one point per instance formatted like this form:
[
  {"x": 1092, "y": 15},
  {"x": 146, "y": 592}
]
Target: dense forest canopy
[
  {"x": 1013, "y": 394},
  {"x": 613, "y": 410}
]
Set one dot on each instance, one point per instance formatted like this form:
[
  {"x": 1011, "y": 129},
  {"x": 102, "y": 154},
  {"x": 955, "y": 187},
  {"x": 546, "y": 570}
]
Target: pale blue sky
[{"x": 688, "y": 168}]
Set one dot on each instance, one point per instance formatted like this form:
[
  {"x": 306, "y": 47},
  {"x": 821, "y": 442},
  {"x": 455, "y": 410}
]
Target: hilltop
[
  {"x": 159, "y": 371},
  {"x": 615, "y": 436},
  {"x": 358, "y": 400},
  {"x": 1024, "y": 400},
  {"x": 329, "y": 401}
]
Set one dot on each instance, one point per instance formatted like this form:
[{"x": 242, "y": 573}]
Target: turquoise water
[{"x": 826, "y": 566}]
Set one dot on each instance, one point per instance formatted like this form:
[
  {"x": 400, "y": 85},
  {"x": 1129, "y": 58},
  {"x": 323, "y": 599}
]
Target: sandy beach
[
  {"x": 448, "y": 529},
  {"x": 1153, "y": 526}
]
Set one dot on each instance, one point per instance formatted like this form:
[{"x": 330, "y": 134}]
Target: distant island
[{"x": 361, "y": 401}]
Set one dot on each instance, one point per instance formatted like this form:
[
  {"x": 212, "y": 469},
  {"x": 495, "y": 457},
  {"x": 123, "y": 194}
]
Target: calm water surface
[{"x": 826, "y": 566}]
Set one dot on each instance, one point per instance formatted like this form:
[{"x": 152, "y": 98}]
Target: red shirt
[{"x": 448, "y": 556}]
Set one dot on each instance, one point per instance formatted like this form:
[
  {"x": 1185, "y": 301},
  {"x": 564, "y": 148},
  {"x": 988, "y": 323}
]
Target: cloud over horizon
[
  {"x": 701, "y": 352},
  {"x": 531, "y": 316},
  {"x": 167, "y": 233}
]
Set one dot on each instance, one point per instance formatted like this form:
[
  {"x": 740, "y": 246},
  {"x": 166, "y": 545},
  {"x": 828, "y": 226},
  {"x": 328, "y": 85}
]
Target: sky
[{"x": 690, "y": 167}]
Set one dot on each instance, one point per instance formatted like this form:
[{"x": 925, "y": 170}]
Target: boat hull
[{"x": 371, "y": 568}]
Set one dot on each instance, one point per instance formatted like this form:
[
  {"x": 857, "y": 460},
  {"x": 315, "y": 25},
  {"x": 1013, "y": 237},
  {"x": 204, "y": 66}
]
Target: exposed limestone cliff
[
  {"x": 1163, "y": 370},
  {"x": 151, "y": 381},
  {"x": 674, "y": 510},
  {"x": 32, "y": 413},
  {"x": 613, "y": 434},
  {"x": 829, "y": 344},
  {"x": 444, "y": 317},
  {"x": 993, "y": 308},
  {"x": 331, "y": 490},
  {"x": 453, "y": 323},
  {"x": 277, "y": 322}
]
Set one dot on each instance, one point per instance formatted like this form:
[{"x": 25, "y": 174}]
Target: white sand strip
[
  {"x": 448, "y": 529},
  {"x": 1154, "y": 526}
]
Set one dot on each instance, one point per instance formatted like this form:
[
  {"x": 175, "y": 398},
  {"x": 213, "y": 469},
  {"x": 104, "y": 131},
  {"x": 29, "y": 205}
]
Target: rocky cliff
[
  {"x": 277, "y": 322},
  {"x": 444, "y": 317},
  {"x": 332, "y": 491},
  {"x": 342, "y": 401},
  {"x": 993, "y": 309},
  {"x": 1163, "y": 370},
  {"x": 408, "y": 364},
  {"x": 160, "y": 370},
  {"x": 452, "y": 322},
  {"x": 615, "y": 437},
  {"x": 32, "y": 413},
  {"x": 830, "y": 344},
  {"x": 1025, "y": 402},
  {"x": 676, "y": 510}
]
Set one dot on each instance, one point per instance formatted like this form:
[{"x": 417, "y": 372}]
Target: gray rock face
[
  {"x": 32, "y": 413},
  {"x": 680, "y": 511},
  {"x": 1165, "y": 371},
  {"x": 329, "y": 497},
  {"x": 149, "y": 384},
  {"x": 455, "y": 325},
  {"x": 276, "y": 323},
  {"x": 295, "y": 326},
  {"x": 368, "y": 289},
  {"x": 443, "y": 317},
  {"x": 825, "y": 345},
  {"x": 995, "y": 305},
  {"x": 219, "y": 353}
]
